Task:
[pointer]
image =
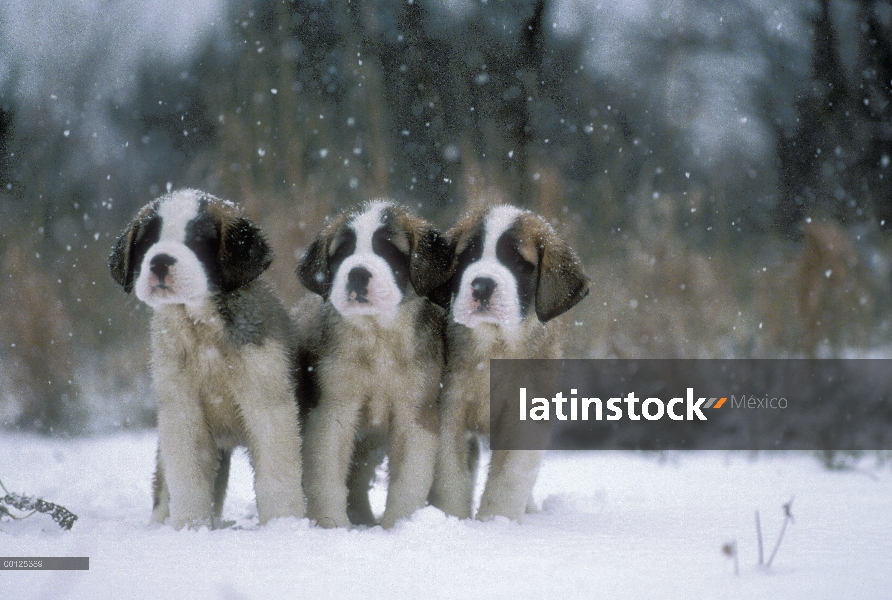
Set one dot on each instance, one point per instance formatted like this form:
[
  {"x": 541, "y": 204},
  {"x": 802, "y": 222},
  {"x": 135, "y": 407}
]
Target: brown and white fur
[
  {"x": 512, "y": 275},
  {"x": 372, "y": 359},
  {"x": 222, "y": 357}
]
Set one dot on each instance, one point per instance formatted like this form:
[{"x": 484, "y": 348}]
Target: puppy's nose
[
  {"x": 160, "y": 265},
  {"x": 483, "y": 288},
  {"x": 358, "y": 284}
]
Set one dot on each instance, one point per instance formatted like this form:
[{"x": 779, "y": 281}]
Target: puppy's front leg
[
  {"x": 412, "y": 458},
  {"x": 268, "y": 408},
  {"x": 189, "y": 458},
  {"x": 328, "y": 446},
  {"x": 275, "y": 454},
  {"x": 457, "y": 456},
  {"x": 512, "y": 475}
]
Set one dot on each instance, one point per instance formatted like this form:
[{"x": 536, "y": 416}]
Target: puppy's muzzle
[
  {"x": 481, "y": 290},
  {"x": 358, "y": 285},
  {"x": 160, "y": 267}
]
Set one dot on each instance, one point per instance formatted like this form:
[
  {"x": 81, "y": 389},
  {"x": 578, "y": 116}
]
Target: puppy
[
  {"x": 222, "y": 356},
  {"x": 372, "y": 359},
  {"x": 512, "y": 275}
]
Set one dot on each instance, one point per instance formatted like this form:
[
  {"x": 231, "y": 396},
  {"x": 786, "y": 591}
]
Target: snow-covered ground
[{"x": 612, "y": 525}]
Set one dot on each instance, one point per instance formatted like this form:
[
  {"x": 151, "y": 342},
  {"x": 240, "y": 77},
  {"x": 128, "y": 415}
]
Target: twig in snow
[
  {"x": 759, "y": 538},
  {"x": 788, "y": 518},
  {"x": 730, "y": 549},
  {"x": 61, "y": 515}
]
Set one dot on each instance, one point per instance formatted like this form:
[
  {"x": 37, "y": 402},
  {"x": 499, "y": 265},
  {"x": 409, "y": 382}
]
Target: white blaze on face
[
  {"x": 364, "y": 283},
  {"x": 488, "y": 289},
  {"x": 170, "y": 272}
]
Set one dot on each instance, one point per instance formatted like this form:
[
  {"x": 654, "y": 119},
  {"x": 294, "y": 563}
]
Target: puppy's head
[
  {"x": 367, "y": 260},
  {"x": 186, "y": 246},
  {"x": 510, "y": 265}
]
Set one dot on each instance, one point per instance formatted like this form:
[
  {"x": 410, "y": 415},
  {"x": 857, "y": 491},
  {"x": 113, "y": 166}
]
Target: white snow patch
[{"x": 612, "y": 524}]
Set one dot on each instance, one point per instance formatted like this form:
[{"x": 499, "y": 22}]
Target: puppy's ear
[
  {"x": 430, "y": 261},
  {"x": 457, "y": 240},
  {"x": 132, "y": 245},
  {"x": 119, "y": 261},
  {"x": 243, "y": 255},
  {"x": 313, "y": 271},
  {"x": 562, "y": 284}
]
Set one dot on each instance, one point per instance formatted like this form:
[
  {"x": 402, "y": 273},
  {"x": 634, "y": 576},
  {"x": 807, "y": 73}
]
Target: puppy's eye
[
  {"x": 384, "y": 246},
  {"x": 508, "y": 253},
  {"x": 343, "y": 246},
  {"x": 472, "y": 252},
  {"x": 208, "y": 232},
  {"x": 340, "y": 253},
  {"x": 146, "y": 234},
  {"x": 202, "y": 230}
]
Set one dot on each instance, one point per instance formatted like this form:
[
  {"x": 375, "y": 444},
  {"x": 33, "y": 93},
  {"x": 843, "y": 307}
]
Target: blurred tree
[
  {"x": 832, "y": 165},
  {"x": 5, "y": 129},
  {"x": 669, "y": 138},
  {"x": 874, "y": 86}
]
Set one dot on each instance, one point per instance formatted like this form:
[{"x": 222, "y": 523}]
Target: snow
[{"x": 612, "y": 524}]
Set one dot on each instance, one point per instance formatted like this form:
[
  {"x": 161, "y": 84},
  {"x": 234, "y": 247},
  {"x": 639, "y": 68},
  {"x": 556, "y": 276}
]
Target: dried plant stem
[
  {"x": 736, "y": 562},
  {"x": 61, "y": 515},
  {"x": 759, "y": 539},
  {"x": 788, "y": 517}
]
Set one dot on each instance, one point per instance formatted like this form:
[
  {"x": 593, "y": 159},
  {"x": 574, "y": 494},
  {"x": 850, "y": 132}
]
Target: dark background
[{"x": 723, "y": 168}]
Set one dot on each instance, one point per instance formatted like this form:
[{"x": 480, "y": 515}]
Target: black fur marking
[
  {"x": 146, "y": 235},
  {"x": 430, "y": 264},
  {"x": 508, "y": 253},
  {"x": 383, "y": 246},
  {"x": 203, "y": 238},
  {"x": 471, "y": 254},
  {"x": 243, "y": 254},
  {"x": 344, "y": 245}
]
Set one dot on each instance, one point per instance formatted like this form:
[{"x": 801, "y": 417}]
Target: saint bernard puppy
[
  {"x": 512, "y": 275},
  {"x": 372, "y": 360},
  {"x": 222, "y": 356}
]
